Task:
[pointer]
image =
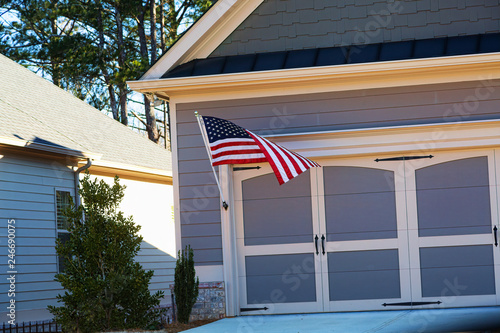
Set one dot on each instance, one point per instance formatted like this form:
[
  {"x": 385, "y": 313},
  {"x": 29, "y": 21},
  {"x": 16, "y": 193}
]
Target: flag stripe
[
  {"x": 232, "y": 152},
  {"x": 236, "y": 149},
  {"x": 232, "y": 144},
  {"x": 240, "y": 161}
]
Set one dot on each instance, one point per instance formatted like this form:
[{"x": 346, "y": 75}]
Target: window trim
[{"x": 57, "y": 229}]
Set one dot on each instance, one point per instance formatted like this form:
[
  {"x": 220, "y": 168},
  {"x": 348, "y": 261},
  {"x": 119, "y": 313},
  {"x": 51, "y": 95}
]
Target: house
[
  {"x": 48, "y": 138},
  {"x": 399, "y": 101}
]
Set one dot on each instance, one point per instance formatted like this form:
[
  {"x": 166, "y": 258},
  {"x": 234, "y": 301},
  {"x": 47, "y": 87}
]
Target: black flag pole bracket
[{"x": 402, "y": 158}]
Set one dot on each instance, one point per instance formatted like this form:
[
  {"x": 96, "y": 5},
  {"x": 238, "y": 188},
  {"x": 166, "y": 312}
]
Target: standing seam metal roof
[{"x": 414, "y": 49}]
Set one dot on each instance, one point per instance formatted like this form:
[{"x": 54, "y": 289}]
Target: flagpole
[{"x": 207, "y": 146}]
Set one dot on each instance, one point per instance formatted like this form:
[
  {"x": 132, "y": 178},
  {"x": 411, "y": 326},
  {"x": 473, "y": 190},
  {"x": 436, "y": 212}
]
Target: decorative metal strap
[
  {"x": 411, "y": 303},
  {"x": 402, "y": 158},
  {"x": 253, "y": 309}
]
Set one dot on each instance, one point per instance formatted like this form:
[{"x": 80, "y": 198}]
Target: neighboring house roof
[
  {"x": 414, "y": 49},
  {"x": 37, "y": 114}
]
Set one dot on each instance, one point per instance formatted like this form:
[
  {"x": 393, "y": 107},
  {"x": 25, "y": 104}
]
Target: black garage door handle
[
  {"x": 316, "y": 244},
  {"x": 323, "y": 243}
]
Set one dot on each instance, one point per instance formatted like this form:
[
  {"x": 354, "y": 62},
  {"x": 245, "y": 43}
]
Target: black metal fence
[{"x": 28, "y": 327}]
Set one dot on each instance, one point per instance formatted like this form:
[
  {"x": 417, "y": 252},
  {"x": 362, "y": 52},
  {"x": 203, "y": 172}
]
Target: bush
[
  {"x": 105, "y": 288},
  {"x": 186, "y": 285}
]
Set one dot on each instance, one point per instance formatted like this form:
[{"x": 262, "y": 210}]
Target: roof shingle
[{"x": 35, "y": 110}]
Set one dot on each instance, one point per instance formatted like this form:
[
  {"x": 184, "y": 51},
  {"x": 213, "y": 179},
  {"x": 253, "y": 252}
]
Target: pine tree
[
  {"x": 92, "y": 47},
  {"x": 105, "y": 289}
]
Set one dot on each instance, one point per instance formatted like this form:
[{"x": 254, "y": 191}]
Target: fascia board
[
  {"x": 48, "y": 148},
  {"x": 346, "y": 77},
  {"x": 132, "y": 168},
  {"x": 205, "y": 35}
]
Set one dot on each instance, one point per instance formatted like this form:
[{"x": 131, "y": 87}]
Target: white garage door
[{"x": 370, "y": 233}]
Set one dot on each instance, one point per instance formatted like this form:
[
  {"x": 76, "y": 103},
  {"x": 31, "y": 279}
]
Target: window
[{"x": 63, "y": 202}]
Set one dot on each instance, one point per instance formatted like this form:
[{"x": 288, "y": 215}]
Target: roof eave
[
  {"x": 338, "y": 77},
  {"x": 20, "y": 143}
]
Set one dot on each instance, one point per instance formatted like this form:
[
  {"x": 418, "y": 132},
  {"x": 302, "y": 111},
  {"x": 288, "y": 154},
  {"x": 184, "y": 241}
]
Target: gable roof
[
  {"x": 205, "y": 35},
  {"x": 331, "y": 56},
  {"x": 37, "y": 114},
  {"x": 269, "y": 23}
]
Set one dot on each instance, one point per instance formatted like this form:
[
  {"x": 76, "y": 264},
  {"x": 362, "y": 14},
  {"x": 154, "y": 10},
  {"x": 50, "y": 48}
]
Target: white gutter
[
  {"x": 47, "y": 148},
  {"x": 77, "y": 180},
  {"x": 134, "y": 168}
]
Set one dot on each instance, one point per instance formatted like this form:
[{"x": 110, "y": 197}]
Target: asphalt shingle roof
[
  {"x": 35, "y": 110},
  {"x": 330, "y": 56}
]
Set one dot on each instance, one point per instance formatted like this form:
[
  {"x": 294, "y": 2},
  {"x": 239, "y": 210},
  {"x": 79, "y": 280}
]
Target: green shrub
[
  {"x": 186, "y": 284},
  {"x": 105, "y": 289}
]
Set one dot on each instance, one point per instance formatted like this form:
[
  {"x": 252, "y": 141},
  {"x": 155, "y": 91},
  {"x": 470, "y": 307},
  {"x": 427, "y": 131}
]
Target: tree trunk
[
  {"x": 151, "y": 127},
  {"x": 121, "y": 63},
  {"x": 111, "y": 91},
  {"x": 123, "y": 104},
  {"x": 162, "y": 26},
  {"x": 153, "y": 30},
  {"x": 54, "y": 63}
]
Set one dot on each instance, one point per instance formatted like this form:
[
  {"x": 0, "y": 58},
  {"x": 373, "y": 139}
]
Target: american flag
[{"x": 232, "y": 144}]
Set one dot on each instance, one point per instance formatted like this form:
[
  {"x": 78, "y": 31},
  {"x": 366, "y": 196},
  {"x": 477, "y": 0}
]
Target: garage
[{"x": 374, "y": 232}]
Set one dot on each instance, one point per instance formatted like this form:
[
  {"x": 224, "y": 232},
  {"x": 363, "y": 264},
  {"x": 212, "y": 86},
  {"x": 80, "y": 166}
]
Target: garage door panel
[
  {"x": 352, "y": 179},
  {"x": 286, "y": 278},
  {"x": 464, "y": 172},
  {"x": 360, "y": 203},
  {"x": 462, "y": 270},
  {"x": 359, "y": 275},
  {"x": 275, "y": 214},
  {"x": 361, "y": 216},
  {"x": 277, "y": 221},
  {"x": 454, "y": 211}
]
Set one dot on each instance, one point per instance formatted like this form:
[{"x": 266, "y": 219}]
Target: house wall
[
  {"x": 151, "y": 206},
  {"x": 278, "y": 25},
  {"x": 199, "y": 197},
  {"x": 27, "y": 195}
]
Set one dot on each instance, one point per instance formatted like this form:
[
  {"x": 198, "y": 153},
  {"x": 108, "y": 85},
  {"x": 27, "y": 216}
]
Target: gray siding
[
  {"x": 199, "y": 197},
  {"x": 163, "y": 265},
  {"x": 278, "y": 25},
  {"x": 27, "y": 194}
]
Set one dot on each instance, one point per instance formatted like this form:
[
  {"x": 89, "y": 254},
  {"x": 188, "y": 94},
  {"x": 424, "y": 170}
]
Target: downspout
[{"x": 77, "y": 180}]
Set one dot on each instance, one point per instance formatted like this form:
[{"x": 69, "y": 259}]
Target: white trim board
[
  {"x": 211, "y": 273},
  {"x": 421, "y": 138},
  {"x": 284, "y": 82}
]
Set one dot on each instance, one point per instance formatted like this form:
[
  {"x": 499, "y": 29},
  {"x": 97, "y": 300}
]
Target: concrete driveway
[{"x": 485, "y": 319}]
